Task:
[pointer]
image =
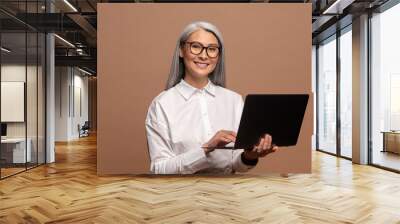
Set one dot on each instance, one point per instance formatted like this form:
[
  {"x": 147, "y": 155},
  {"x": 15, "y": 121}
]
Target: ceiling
[{"x": 76, "y": 22}]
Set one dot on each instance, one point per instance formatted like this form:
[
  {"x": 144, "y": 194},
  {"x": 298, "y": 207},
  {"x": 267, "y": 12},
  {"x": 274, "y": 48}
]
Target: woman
[{"x": 195, "y": 114}]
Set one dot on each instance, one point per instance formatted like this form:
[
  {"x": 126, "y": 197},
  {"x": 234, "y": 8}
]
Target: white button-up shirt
[{"x": 181, "y": 119}]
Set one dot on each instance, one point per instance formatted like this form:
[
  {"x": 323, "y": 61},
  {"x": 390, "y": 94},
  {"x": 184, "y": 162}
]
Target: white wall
[
  {"x": 62, "y": 80},
  {"x": 81, "y": 103},
  {"x": 16, "y": 73},
  {"x": 33, "y": 127},
  {"x": 71, "y": 87}
]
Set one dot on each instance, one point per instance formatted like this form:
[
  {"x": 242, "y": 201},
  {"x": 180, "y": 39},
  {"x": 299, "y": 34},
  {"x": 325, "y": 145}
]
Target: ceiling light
[
  {"x": 65, "y": 41},
  {"x": 5, "y": 50},
  {"x": 338, "y": 6},
  {"x": 84, "y": 71},
  {"x": 79, "y": 51},
  {"x": 70, "y": 5}
]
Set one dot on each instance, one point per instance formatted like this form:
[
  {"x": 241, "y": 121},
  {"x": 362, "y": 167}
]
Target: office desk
[
  {"x": 391, "y": 141},
  {"x": 13, "y": 150}
]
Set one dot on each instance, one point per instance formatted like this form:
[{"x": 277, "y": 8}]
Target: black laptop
[{"x": 280, "y": 115}]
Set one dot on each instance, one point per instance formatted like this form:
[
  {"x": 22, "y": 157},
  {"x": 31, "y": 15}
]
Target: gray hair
[{"x": 177, "y": 71}]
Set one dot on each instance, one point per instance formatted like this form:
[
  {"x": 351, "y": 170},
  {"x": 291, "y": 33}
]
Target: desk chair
[{"x": 84, "y": 130}]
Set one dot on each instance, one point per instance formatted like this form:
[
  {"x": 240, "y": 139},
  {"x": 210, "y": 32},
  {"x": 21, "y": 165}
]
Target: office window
[
  {"x": 314, "y": 90},
  {"x": 327, "y": 95},
  {"x": 346, "y": 92},
  {"x": 385, "y": 88}
]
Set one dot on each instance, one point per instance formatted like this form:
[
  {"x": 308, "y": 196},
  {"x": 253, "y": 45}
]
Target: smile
[{"x": 201, "y": 65}]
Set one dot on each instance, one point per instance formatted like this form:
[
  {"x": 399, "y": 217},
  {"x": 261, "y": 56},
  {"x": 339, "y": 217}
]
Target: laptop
[
  {"x": 279, "y": 115},
  {"x": 3, "y": 131}
]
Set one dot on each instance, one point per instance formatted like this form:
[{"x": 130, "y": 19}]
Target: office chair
[{"x": 84, "y": 130}]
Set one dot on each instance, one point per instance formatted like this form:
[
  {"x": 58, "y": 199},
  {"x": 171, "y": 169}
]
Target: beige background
[{"x": 268, "y": 50}]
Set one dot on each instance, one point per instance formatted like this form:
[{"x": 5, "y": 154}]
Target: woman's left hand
[{"x": 263, "y": 148}]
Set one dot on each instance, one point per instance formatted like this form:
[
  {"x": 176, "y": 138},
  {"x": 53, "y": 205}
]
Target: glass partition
[
  {"x": 13, "y": 95},
  {"x": 32, "y": 95},
  {"x": 22, "y": 77},
  {"x": 41, "y": 88}
]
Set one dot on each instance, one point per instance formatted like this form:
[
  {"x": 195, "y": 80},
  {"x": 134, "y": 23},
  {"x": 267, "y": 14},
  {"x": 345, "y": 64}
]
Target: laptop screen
[{"x": 3, "y": 129}]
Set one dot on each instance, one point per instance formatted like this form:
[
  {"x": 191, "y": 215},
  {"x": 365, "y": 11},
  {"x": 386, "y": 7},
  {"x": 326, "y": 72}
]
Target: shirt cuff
[
  {"x": 239, "y": 165},
  {"x": 196, "y": 160},
  {"x": 247, "y": 161}
]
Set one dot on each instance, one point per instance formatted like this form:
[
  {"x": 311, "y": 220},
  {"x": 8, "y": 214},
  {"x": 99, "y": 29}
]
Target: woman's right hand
[{"x": 220, "y": 139}]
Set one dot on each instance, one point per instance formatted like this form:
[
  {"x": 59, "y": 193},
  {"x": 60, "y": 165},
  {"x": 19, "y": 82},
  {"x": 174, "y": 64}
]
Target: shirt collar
[{"x": 187, "y": 90}]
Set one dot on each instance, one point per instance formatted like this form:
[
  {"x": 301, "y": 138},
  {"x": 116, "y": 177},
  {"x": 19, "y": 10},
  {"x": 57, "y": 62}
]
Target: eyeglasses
[{"x": 197, "y": 48}]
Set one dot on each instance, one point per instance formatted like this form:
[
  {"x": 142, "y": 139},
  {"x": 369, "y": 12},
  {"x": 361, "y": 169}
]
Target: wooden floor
[
  {"x": 5, "y": 172},
  {"x": 70, "y": 192}
]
